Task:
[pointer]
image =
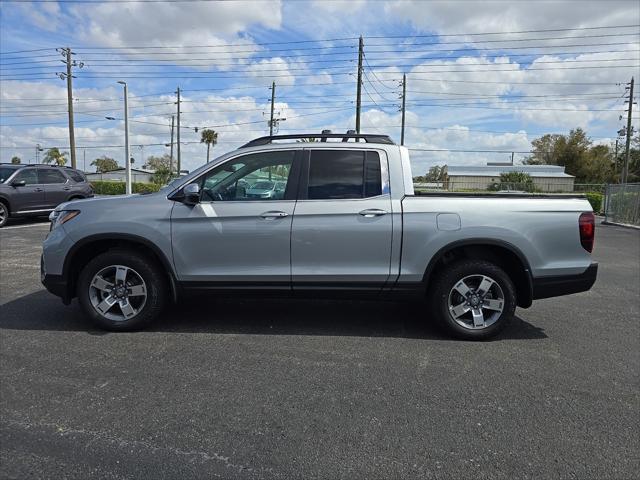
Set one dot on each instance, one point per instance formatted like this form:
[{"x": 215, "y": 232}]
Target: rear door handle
[
  {"x": 66, "y": 188},
  {"x": 373, "y": 212},
  {"x": 38, "y": 189},
  {"x": 274, "y": 214}
]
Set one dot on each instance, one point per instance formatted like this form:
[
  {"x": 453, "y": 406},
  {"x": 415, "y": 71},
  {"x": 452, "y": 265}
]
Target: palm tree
[
  {"x": 210, "y": 137},
  {"x": 54, "y": 155}
]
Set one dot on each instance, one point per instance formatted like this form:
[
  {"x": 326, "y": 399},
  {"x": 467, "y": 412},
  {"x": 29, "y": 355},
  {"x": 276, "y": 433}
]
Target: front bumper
[
  {"x": 55, "y": 284},
  {"x": 555, "y": 286}
]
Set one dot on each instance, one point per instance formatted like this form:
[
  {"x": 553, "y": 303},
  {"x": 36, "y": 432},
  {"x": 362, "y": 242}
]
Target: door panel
[
  {"x": 336, "y": 238},
  {"x": 56, "y": 186},
  {"x": 240, "y": 232},
  {"x": 31, "y": 196},
  {"x": 233, "y": 241},
  {"x": 332, "y": 241}
]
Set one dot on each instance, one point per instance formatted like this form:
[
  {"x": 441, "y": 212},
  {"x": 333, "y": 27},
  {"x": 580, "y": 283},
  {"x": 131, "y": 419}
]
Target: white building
[
  {"x": 138, "y": 175},
  {"x": 546, "y": 178}
]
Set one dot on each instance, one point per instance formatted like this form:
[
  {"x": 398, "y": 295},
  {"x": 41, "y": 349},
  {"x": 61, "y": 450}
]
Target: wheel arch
[
  {"x": 93, "y": 245},
  {"x": 504, "y": 254}
]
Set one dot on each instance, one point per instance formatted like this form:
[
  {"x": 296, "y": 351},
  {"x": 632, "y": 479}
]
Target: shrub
[
  {"x": 514, "y": 181},
  {"x": 118, "y": 188},
  {"x": 595, "y": 199}
]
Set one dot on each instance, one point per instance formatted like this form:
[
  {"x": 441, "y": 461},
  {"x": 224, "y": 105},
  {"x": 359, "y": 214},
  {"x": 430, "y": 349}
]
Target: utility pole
[
  {"x": 359, "y": 87},
  {"x": 127, "y": 156},
  {"x": 273, "y": 98},
  {"x": 615, "y": 159},
  {"x": 38, "y": 150},
  {"x": 173, "y": 119},
  {"x": 404, "y": 105},
  {"x": 512, "y": 158},
  {"x": 629, "y": 132},
  {"x": 68, "y": 76},
  {"x": 178, "y": 131}
]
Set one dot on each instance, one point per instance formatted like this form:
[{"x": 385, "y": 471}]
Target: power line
[
  {"x": 401, "y": 47},
  {"x": 130, "y": 63},
  {"x": 183, "y": 57}
]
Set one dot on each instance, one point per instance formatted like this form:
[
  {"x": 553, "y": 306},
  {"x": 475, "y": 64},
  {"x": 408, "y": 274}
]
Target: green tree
[
  {"x": 599, "y": 165},
  {"x": 155, "y": 163},
  {"x": 210, "y": 137},
  {"x": 161, "y": 176},
  {"x": 16, "y": 160},
  {"x": 634, "y": 160},
  {"x": 436, "y": 173},
  {"x": 587, "y": 162},
  {"x": 54, "y": 155},
  {"x": 104, "y": 164},
  {"x": 514, "y": 181},
  {"x": 162, "y": 168}
]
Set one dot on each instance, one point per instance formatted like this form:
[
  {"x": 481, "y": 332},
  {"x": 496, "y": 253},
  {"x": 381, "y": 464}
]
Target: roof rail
[
  {"x": 367, "y": 137},
  {"x": 36, "y": 165}
]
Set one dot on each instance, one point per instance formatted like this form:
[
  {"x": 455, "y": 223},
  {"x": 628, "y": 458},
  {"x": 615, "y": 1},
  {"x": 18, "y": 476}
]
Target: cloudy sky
[{"x": 483, "y": 78}]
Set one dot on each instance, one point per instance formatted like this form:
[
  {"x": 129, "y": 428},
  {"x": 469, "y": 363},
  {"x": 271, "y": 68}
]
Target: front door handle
[
  {"x": 373, "y": 212},
  {"x": 38, "y": 189},
  {"x": 274, "y": 214}
]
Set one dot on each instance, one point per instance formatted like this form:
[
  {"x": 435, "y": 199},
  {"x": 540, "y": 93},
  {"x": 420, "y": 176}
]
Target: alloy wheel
[
  {"x": 118, "y": 293},
  {"x": 476, "y": 302},
  {"x": 4, "y": 214}
]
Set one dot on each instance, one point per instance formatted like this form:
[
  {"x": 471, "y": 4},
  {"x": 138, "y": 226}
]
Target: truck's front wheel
[
  {"x": 122, "y": 290},
  {"x": 473, "y": 299}
]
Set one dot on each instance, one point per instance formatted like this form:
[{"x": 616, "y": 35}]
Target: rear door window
[
  {"x": 344, "y": 174},
  {"x": 49, "y": 176}
]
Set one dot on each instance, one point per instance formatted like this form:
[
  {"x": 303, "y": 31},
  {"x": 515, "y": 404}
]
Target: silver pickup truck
[{"x": 338, "y": 217}]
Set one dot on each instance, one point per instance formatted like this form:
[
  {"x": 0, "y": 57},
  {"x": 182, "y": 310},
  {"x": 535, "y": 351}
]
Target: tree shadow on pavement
[{"x": 42, "y": 311}]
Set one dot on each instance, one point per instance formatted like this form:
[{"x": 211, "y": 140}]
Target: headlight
[{"x": 58, "y": 217}]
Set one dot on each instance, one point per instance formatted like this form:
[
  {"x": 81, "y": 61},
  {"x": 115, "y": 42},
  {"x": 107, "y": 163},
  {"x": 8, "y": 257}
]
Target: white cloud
[
  {"x": 274, "y": 69},
  {"x": 165, "y": 24},
  {"x": 500, "y": 16}
]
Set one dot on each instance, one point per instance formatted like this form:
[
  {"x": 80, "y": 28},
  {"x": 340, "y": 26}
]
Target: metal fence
[{"x": 622, "y": 204}]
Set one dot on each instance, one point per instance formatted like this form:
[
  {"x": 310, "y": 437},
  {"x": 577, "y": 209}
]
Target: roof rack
[{"x": 369, "y": 138}]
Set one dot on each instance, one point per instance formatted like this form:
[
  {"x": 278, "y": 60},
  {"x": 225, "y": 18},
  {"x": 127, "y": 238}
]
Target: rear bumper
[{"x": 546, "y": 287}]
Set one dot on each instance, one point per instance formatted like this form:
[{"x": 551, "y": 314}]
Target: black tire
[
  {"x": 4, "y": 214},
  {"x": 151, "y": 273},
  {"x": 449, "y": 276}
]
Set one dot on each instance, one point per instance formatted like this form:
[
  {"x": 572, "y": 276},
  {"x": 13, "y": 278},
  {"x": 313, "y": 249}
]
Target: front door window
[{"x": 257, "y": 176}]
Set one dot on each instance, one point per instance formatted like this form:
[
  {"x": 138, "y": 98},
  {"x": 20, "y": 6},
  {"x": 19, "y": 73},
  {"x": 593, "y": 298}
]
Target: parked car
[
  {"x": 266, "y": 189},
  {"x": 348, "y": 222},
  {"x": 35, "y": 190}
]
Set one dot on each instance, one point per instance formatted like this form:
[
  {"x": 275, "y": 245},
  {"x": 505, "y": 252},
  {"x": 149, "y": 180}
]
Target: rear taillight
[{"x": 587, "y": 226}]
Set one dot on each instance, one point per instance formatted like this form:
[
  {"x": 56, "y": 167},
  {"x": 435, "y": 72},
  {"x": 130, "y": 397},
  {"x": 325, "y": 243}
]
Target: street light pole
[{"x": 127, "y": 160}]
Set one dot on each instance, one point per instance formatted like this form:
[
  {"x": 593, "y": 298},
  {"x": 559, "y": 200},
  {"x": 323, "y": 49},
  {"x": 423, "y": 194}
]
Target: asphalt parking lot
[{"x": 318, "y": 389}]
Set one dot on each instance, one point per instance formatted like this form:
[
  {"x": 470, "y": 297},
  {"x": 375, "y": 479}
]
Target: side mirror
[
  {"x": 191, "y": 194},
  {"x": 18, "y": 183}
]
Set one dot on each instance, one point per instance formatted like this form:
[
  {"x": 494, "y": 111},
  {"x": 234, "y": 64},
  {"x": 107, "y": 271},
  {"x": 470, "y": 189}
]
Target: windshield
[
  {"x": 6, "y": 172},
  {"x": 263, "y": 186}
]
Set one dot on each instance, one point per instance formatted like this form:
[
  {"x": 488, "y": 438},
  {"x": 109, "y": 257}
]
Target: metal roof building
[{"x": 546, "y": 178}]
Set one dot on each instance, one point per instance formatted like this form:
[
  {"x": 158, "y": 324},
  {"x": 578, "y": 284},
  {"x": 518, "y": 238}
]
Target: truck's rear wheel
[
  {"x": 473, "y": 299},
  {"x": 120, "y": 290}
]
